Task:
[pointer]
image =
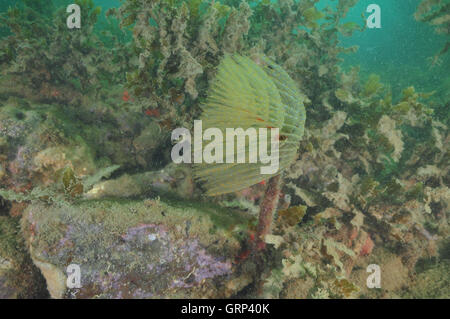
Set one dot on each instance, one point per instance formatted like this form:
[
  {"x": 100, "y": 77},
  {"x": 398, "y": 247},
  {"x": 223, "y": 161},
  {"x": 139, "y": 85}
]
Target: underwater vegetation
[
  {"x": 436, "y": 13},
  {"x": 86, "y": 175},
  {"x": 55, "y": 58}
]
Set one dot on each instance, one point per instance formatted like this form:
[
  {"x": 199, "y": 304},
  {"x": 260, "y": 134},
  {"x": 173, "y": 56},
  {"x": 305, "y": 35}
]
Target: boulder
[{"x": 135, "y": 248}]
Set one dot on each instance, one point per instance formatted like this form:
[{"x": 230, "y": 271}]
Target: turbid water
[{"x": 224, "y": 149}]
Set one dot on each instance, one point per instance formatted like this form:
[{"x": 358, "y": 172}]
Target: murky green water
[{"x": 97, "y": 112}]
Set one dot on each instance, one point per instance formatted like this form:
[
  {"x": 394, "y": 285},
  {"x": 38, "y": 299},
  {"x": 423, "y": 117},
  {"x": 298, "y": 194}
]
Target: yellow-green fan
[{"x": 245, "y": 95}]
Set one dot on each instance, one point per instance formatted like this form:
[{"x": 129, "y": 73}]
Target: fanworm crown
[{"x": 246, "y": 94}]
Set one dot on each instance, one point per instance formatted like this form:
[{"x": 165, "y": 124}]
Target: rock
[
  {"x": 146, "y": 145},
  {"x": 394, "y": 274},
  {"x": 2, "y": 171},
  {"x": 38, "y": 140},
  {"x": 19, "y": 278},
  {"x": 298, "y": 288},
  {"x": 135, "y": 249},
  {"x": 7, "y": 289},
  {"x": 56, "y": 280},
  {"x": 49, "y": 161},
  {"x": 173, "y": 179}
]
